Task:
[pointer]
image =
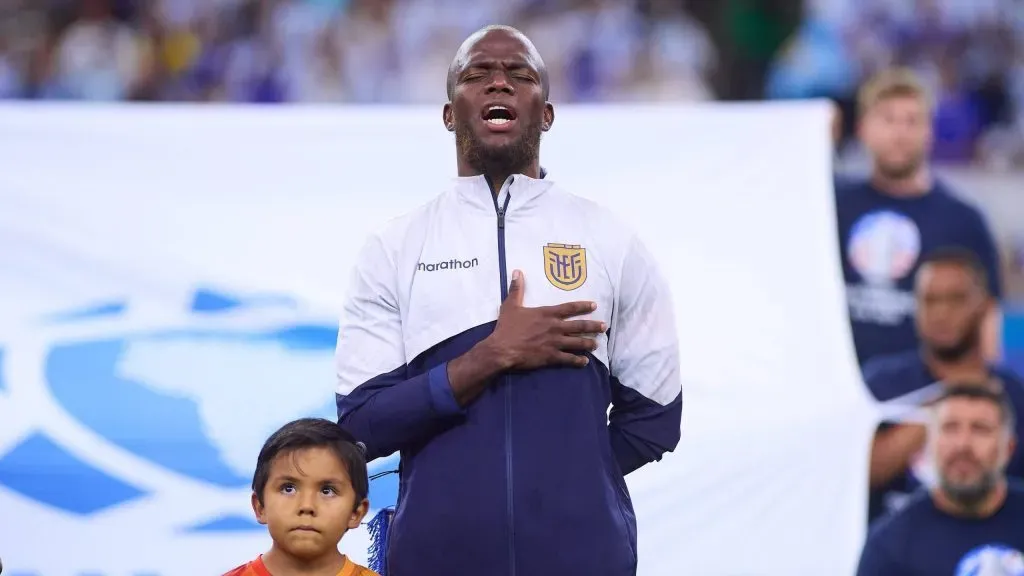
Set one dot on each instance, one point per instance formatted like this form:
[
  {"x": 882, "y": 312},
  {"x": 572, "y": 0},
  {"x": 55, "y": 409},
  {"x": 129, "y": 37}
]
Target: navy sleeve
[
  {"x": 378, "y": 402},
  {"x": 390, "y": 412}
]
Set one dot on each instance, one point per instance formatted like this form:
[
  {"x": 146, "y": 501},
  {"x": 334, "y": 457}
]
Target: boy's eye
[
  {"x": 329, "y": 491},
  {"x": 288, "y": 488}
]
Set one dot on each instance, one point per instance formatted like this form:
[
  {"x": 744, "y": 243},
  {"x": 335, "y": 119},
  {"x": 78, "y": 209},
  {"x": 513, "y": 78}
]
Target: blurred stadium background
[
  {"x": 335, "y": 52},
  {"x": 599, "y": 51}
]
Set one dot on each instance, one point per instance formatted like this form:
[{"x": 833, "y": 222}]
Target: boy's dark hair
[
  {"x": 314, "y": 433},
  {"x": 989, "y": 392},
  {"x": 959, "y": 256}
]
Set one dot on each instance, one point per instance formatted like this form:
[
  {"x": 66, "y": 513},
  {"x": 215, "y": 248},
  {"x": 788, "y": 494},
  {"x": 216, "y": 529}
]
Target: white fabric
[
  {"x": 435, "y": 273},
  {"x": 145, "y": 204}
]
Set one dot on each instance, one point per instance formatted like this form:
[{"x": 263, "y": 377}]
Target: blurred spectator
[
  {"x": 10, "y": 82},
  {"x": 968, "y": 54},
  {"x": 98, "y": 57},
  {"x": 970, "y": 521},
  {"x": 952, "y": 302},
  {"x": 813, "y": 65},
  {"x": 901, "y": 212}
]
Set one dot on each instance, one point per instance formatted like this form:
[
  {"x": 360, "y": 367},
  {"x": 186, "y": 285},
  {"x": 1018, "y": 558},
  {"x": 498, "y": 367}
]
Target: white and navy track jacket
[{"x": 528, "y": 479}]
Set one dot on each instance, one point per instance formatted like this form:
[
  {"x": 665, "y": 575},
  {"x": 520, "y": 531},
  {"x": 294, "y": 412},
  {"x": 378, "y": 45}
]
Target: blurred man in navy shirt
[
  {"x": 901, "y": 212},
  {"x": 972, "y": 522},
  {"x": 952, "y": 302}
]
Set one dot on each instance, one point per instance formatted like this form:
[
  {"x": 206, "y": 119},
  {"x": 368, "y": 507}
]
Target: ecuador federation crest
[{"x": 565, "y": 265}]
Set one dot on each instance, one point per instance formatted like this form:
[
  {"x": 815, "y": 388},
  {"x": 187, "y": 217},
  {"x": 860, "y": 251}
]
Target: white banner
[{"x": 171, "y": 279}]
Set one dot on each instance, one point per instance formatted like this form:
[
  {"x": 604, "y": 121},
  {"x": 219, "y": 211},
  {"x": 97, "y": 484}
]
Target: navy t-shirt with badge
[
  {"x": 921, "y": 540},
  {"x": 883, "y": 239},
  {"x": 898, "y": 375}
]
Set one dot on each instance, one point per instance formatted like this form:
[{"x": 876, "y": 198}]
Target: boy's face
[{"x": 308, "y": 503}]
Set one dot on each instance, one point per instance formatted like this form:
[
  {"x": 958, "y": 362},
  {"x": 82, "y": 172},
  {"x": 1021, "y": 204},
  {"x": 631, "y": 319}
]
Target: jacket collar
[{"x": 521, "y": 190}]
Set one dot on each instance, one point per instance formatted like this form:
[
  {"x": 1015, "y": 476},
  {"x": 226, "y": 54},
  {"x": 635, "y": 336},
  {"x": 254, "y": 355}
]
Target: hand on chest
[{"x": 462, "y": 274}]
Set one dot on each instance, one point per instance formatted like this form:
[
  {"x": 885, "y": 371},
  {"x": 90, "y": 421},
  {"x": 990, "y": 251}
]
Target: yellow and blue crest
[{"x": 565, "y": 265}]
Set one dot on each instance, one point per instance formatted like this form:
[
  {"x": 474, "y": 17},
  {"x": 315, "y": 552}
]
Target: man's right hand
[{"x": 526, "y": 338}]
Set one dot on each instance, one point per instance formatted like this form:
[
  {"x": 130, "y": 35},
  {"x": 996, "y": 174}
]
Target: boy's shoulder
[
  {"x": 253, "y": 568},
  {"x": 353, "y": 569},
  {"x": 257, "y": 568}
]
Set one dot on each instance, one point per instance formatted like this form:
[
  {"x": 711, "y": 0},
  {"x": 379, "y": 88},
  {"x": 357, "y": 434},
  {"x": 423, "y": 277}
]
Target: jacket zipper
[{"x": 500, "y": 210}]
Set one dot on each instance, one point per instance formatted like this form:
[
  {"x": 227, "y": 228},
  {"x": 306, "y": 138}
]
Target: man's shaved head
[
  {"x": 498, "y": 104},
  {"x": 462, "y": 56}
]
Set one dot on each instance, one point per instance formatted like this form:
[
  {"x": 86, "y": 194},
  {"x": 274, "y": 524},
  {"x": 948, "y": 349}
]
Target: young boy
[{"x": 309, "y": 488}]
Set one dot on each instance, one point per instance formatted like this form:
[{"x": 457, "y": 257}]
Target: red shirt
[{"x": 258, "y": 568}]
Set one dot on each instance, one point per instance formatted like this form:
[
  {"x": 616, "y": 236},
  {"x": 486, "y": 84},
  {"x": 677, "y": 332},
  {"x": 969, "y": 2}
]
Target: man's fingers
[
  {"x": 570, "y": 309},
  {"x": 516, "y": 288},
  {"x": 571, "y": 359},
  {"x": 583, "y": 327},
  {"x": 577, "y": 344}
]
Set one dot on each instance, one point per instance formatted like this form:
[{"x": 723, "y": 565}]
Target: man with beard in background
[
  {"x": 972, "y": 521},
  {"x": 485, "y": 336},
  {"x": 952, "y": 304},
  {"x": 901, "y": 212}
]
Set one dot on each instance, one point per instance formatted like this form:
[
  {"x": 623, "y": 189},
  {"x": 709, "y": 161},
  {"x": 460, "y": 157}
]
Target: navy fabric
[
  {"x": 526, "y": 480},
  {"x": 922, "y": 540},
  {"x": 882, "y": 239}
]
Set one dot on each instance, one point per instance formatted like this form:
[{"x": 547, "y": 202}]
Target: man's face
[
  {"x": 897, "y": 131},
  {"x": 308, "y": 503},
  {"x": 498, "y": 109},
  {"x": 951, "y": 307},
  {"x": 972, "y": 445}
]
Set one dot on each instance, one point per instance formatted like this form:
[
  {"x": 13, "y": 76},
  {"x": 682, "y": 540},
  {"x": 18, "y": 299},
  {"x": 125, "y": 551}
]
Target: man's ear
[
  {"x": 448, "y": 117},
  {"x": 258, "y": 509},
  {"x": 549, "y": 117}
]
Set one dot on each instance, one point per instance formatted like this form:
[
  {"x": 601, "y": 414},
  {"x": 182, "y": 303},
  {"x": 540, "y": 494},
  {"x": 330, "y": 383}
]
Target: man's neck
[
  {"x": 984, "y": 509},
  {"x": 496, "y": 180},
  {"x": 917, "y": 184},
  {"x": 970, "y": 367},
  {"x": 497, "y": 177},
  {"x": 280, "y": 563}
]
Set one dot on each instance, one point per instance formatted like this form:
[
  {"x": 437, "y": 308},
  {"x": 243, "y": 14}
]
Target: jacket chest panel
[{"x": 454, "y": 280}]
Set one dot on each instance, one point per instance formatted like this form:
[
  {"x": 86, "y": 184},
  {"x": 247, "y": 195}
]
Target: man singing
[{"x": 485, "y": 336}]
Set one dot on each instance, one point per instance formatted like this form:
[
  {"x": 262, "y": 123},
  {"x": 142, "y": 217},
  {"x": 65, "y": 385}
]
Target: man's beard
[
  {"x": 901, "y": 171},
  {"x": 967, "y": 344},
  {"x": 511, "y": 158},
  {"x": 971, "y": 496}
]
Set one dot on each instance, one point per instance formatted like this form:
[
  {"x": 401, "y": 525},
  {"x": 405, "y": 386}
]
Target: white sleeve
[
  {"x": 370, "y": 340},
  {"x": 379, "y": 401},
  {"x": 643, "y": 354}
]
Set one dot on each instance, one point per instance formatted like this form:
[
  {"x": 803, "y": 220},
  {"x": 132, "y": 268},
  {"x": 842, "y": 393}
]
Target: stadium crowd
[
  {"x": 970, "y": 55},
  {"x": 395, "y": 51},
  {"x": 333, "y": 50}
]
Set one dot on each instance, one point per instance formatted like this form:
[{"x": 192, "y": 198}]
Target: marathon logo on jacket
[
  {"x": 452, "y": 264},
  {"x": 565, "y": 265}
]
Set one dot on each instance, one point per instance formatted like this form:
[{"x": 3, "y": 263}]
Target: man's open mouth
[{"x": 498, "y": 114}]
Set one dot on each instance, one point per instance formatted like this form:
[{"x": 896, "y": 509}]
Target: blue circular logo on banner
[{"x": 167, "y": 410}]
